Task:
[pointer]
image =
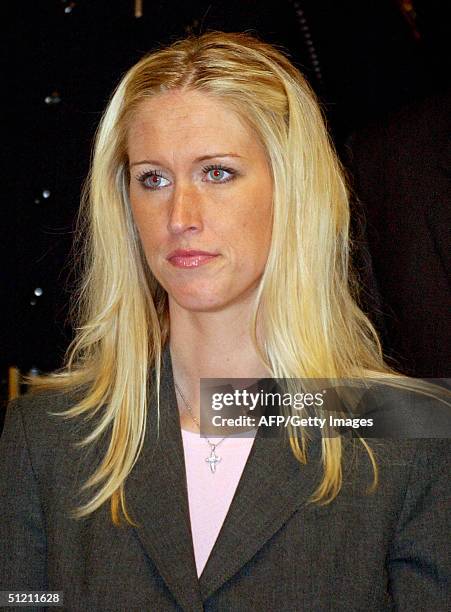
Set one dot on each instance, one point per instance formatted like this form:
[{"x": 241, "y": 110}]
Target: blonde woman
[{"x": 214, "y": 229}]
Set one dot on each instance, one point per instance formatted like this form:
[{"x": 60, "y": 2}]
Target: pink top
[{"x": 210, "y": 494}]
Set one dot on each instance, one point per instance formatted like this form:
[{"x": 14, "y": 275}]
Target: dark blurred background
[{"x": 368, "y": 62}]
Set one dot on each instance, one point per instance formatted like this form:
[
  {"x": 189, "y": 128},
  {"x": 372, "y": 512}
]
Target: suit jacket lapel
[
  {"x": 272, "y": 487},
  {"x": 156, "y": 495}
]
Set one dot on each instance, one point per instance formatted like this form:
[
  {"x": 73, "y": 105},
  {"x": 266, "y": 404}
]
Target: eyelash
[{"x": 206, "y": 169}]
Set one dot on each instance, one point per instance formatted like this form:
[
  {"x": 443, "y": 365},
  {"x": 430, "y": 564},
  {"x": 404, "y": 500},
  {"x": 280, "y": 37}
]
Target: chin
[{"x": 199, "y": 303}]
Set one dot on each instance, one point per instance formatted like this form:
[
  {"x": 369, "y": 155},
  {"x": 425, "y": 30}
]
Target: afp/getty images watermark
[{"x": 326, "y": 407}]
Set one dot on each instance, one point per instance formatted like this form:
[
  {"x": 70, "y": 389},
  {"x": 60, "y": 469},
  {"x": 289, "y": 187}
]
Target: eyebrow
[{"x": 198, "y": 159}]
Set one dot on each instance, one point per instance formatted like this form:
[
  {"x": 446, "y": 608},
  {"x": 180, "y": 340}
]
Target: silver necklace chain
[{"x": 213, "y": 458}]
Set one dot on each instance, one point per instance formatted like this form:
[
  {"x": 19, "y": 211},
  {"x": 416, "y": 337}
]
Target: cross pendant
[{"x": 213, "y": 459}]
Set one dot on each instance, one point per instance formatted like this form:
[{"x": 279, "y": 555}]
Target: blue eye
[
  {"x": 217, "y": 173},
  {"x": 152, "y": 180}
]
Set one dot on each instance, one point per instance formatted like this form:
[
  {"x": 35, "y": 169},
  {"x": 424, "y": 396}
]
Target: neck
[{"x": 210, "y": 345}]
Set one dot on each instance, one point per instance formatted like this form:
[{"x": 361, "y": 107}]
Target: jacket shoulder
[
  {"x": 45, "y": 443},
  {"x": 42, "y": 412}
]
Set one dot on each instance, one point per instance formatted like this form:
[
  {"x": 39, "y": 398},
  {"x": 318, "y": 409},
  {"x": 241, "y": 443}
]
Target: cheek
[
  {"x": 257, "y": 227},
  {"x": 251, "y": 242},
  {"x": 146, "y": 222}
]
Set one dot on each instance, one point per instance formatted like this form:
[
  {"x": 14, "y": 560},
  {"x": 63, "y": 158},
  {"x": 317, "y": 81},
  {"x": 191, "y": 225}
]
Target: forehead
[{"x": 190, "y": 118}]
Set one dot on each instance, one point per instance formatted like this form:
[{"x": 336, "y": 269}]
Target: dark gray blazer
[{"x": 385, "y": 551}]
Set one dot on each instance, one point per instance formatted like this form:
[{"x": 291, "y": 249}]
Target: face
[{"x": 201, "y": 197}]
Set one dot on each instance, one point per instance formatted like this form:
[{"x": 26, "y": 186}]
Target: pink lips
[{"x": 190, "y": 259}]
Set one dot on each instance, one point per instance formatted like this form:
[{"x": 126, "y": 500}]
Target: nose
[{"x": 185, "y": 212}]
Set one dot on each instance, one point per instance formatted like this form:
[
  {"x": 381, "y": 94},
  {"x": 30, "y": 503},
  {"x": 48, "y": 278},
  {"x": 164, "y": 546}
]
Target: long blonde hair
[{"x": 306, "y": 299}]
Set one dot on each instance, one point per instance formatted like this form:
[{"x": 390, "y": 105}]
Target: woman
[{"x": 215, "y": 221}]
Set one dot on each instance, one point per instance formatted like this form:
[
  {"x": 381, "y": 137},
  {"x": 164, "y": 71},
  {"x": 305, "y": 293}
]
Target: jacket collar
[{"x": 272, "y": 487}]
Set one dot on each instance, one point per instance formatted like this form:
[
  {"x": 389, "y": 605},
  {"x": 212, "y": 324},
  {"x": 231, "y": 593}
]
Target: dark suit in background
[
  {"x": 402, "y": 169},
  {"x": 380, "y": 552}
]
